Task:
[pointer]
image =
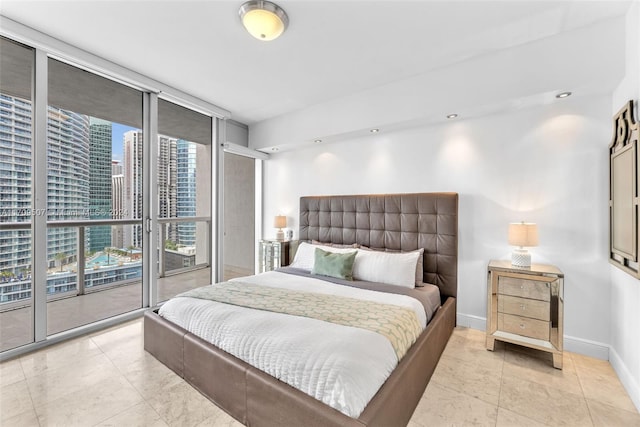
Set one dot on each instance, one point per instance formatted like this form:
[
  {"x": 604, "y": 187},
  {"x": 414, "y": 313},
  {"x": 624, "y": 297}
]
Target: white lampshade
[
  {"x": 523, "y": 234},
  {"x": 263, "y": 19},
  {"x": 280, "y": 221}
]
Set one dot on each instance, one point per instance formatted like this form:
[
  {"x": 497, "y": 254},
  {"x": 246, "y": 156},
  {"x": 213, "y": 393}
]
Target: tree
[
  {"x": 6, "y": 274},
  {"x": 61, "y": 256},
  {"x": 169, "y": 244}
]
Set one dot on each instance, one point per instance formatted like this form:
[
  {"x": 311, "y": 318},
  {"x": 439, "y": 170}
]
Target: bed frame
[{"x": 395, "y": 222}]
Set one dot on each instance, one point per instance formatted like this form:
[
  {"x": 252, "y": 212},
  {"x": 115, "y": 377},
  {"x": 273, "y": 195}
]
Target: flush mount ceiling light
[
  {"x": 263, "y": 20},
  {"x": 374, "y": 130},
  {"x": 317, "y": 140},
  {"x": 452, "y": 116},
  {"x": 563, "y": 94}
]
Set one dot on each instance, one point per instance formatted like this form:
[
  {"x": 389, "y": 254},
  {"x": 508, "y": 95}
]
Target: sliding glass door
[
  {"x": 94, "y": 198},
  {"x": 16, "y": 215},
  {"x": 184, "y": 195}
]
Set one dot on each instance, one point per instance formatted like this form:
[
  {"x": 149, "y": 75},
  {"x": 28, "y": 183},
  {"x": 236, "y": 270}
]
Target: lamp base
[
  {"x": 280, "y": 234},
  {"x": 521, "y": 258}
]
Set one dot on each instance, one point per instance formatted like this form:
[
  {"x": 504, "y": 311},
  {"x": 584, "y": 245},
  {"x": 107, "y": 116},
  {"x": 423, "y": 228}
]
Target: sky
[{"x": 117, "y": 138}]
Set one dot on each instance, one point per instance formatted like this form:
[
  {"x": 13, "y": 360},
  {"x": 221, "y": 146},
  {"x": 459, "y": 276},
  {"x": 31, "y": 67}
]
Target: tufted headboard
[{"x": 391, "y": 222}]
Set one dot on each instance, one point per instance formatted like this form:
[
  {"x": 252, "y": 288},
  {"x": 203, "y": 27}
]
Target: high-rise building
[
  {"x": 67, "y": 179},
  {"x": 167, "y": 179},
  {"x": 116, "y": 167},
  {"x": 99, "y": 237},
  {"x": 15, "y": 182},
  {"x": 175, "y": 184},
  {"x": 186, "y": 194},
  {"x": 133, "y": 143},
  {"x": 117, "y": 210}
]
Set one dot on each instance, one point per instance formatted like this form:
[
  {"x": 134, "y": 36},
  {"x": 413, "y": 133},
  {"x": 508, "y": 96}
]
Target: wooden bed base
[{"x": 257, "y": 399}]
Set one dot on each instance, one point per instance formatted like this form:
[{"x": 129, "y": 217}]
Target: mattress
[{"x": 339, "y": 365}]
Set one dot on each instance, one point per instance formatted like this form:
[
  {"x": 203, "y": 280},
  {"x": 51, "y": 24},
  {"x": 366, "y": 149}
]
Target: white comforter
[{"x": 339, "y": 365}]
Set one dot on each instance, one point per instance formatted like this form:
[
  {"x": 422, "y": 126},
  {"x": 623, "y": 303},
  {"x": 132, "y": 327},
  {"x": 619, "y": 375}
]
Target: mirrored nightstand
[
  {"x": 525, "y": 307},
  {"x": 273, "y": 254}
]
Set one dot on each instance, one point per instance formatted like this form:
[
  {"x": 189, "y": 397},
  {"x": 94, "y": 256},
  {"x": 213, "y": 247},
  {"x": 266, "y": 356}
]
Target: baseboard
[
  {"x": 627, "y": 380},
  {"x": 586, "y": 347},
  {"x": 573, "y": 344},
  {"x": 471, "y": 321}
]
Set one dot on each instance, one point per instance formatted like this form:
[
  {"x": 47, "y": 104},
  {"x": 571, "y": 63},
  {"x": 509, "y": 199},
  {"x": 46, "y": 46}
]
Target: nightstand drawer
[
  {"x": 523, "y": 326},
  {"x": 531, "y": 289},
  {"x": 524, "y": 307}
]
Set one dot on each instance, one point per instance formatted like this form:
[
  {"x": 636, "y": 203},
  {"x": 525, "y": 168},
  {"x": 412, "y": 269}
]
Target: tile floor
[{"x": 107, "y": 379}]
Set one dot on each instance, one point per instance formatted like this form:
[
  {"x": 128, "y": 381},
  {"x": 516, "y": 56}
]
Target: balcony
[
  {"x": 85, "y": 287},
  {"x": 72, "y": 311}
]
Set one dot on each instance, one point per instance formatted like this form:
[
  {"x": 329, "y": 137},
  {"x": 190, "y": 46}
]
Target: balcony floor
[{"x": 16, "y": 326}]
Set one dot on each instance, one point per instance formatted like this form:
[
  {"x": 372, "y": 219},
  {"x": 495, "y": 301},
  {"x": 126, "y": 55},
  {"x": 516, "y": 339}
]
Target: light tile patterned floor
[{"x": 107, "y": 379}]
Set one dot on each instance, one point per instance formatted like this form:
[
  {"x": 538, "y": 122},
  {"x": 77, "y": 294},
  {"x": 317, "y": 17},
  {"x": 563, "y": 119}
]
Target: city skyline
[{"x": 86, "y": 161}]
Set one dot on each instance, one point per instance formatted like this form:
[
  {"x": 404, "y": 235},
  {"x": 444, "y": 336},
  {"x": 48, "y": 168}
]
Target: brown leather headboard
[{"x": 391, "y": 222}]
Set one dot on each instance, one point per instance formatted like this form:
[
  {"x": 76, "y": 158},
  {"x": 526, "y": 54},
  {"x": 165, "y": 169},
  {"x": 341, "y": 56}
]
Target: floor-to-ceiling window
[
  {"x": 94, "y": 137},
  {"x": 94, "y": 172},
  {"x": 16, "y": 297},
  {"x": 184, "y": 194}
]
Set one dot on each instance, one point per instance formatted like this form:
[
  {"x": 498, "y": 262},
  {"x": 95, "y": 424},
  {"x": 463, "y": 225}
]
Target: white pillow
[
  {"x": 305, "y": 254},
  {"x": 392, "y": 268}
]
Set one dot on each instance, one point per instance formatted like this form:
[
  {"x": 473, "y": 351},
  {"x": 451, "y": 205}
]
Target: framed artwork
[{"x": 623, "y": 191}]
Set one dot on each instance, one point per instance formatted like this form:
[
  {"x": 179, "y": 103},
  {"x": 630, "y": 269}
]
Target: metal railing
[
  {"x": 81, "y": 260},
  {"x": 162, "y": 272}
]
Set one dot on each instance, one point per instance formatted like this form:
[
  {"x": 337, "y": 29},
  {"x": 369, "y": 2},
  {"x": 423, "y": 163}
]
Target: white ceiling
[{"x": 332, "y": 49}]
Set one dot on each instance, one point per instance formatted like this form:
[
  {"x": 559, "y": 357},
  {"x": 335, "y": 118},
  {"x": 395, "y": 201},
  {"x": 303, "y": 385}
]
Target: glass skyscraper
[
  {"x": 15, "y": 183},
  {"x": 186, "y": 194},
  {"x": 99, "y": 237},
  {"x": 67, "y": 179}
]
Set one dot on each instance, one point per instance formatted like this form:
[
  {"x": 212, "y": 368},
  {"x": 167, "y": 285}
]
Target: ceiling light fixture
[
  {"x": 563, "y": 94},
  {"x": 275, "y": 149},
  {"x": 264, "y": 20},
  {"x": 452, "y": 116},
  {"x": 374, "y": 130},
  {"x": 317, "y": 140}
]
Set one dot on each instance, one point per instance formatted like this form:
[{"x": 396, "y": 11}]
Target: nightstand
[
  {"x": 525, "y": 307},
  {"x": 273, "y": 254}
]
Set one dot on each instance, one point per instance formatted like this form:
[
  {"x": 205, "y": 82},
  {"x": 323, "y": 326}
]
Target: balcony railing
[{"x": 88, "y": 277}]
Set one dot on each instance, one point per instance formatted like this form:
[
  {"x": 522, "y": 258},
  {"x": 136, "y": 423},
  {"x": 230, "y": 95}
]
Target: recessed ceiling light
[
  {"x": 317, "y": 140},
  {"x": 452, "y": 116},
  {"x": 275, "y": 149},
  {"x": 563, "y": 94},
  {"x": 375, "y": 130}
]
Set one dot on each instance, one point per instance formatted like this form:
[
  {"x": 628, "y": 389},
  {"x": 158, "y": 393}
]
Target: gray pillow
[{"x": 334, "y": 264}]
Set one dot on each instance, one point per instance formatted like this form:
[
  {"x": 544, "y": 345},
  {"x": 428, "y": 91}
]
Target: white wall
[
  {"x": 546, "y": 164},
  {"x": 625, "y": 290}
]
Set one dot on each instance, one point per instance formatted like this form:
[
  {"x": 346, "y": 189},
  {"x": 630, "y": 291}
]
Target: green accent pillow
[{"x": 332, "y": 264}]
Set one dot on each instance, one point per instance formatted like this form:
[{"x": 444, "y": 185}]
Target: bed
[{"x": 392, "y": 223}]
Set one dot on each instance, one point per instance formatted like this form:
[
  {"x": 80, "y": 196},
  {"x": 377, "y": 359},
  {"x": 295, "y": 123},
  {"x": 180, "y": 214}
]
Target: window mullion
[{"x": 39, "y": 197}]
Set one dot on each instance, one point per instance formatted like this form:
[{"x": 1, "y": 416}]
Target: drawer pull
[
  {"x": 521, "y": 286},
  {"x": 523, "y": 307},
  {"x": 522, "y": 326}
]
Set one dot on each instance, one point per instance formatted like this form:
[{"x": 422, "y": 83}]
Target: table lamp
[
  {"x": 280, "y": 222},
  {"x": 522, "y": 234}
]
